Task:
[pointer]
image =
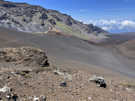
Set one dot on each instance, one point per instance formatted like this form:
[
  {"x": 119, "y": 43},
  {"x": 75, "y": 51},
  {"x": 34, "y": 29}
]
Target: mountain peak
[{"x": 29, "y": 18}]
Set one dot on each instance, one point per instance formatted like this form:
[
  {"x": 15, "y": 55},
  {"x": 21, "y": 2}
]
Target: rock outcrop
[{"x": 25, "y": 55}]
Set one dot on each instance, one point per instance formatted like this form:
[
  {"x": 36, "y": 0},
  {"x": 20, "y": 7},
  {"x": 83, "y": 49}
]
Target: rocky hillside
[{"x": 28, "y": 18}]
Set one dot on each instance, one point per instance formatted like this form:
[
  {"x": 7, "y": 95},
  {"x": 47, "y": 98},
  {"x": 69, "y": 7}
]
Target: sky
[{"x": 111, "y": 15}]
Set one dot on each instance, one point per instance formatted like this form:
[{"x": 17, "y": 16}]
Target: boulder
[
  {"x": 99, "y": 80},
  {"x": 5, "y": 89},
  {"x": 65, "y": 75}
]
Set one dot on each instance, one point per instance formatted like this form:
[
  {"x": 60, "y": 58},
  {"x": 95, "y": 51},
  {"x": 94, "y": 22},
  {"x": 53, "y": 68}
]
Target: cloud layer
[{"x": 115, "y": 25}]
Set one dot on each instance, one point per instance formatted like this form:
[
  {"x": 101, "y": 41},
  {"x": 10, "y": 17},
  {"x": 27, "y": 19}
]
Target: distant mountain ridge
[{"x": 28, "y": 18}]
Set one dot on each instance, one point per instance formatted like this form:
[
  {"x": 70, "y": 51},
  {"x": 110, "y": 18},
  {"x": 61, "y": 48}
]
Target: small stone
[
  {"x": 89, "y": 98},
  {"x": 35, "y": 98},
  {"x": 8, "y": 96},
  {"x": 63, "y": 84},
  {"x": 43, "y": 98}
]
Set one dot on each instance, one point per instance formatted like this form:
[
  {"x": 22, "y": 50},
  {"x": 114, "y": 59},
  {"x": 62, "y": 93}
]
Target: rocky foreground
[{"x": 52, "y": 83}]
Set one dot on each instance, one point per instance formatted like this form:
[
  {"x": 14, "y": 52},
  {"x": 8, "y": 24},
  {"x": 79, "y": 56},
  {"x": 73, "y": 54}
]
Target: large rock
[
  {"x": 99, "y": 80},
  {"x": 24, "y": 55}
]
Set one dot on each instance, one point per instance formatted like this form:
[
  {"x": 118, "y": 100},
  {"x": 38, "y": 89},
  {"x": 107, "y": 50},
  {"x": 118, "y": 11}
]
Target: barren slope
[
  {"x": 64, "y": 49},
  {"x": 128, "y": 49}
]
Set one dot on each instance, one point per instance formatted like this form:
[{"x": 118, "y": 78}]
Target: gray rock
[
  {"x": 65, "y": 75},
  {"x": 5, "y": 89},
  {"x": 36, "y": 98},
  {"x": 43, "y": 98},
  {"x": 98, "y": 80},
  {"x": 63, "y": 84}
]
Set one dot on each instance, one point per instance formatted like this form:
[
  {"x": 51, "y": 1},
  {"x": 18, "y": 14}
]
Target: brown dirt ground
[{"x": 46, "y": 83}]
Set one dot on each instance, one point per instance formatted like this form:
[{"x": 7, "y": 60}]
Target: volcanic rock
[{"x": 24, "y": 55}]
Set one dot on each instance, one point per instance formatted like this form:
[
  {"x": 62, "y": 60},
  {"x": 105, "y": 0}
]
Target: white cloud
[
  {"x": 128, "y": 23},
  {"x": 109, "y": 25},
  {"x": 107, "y": 22},
  {"x": 107, "y": 28},
  {"x": 102, "y": 22}
]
